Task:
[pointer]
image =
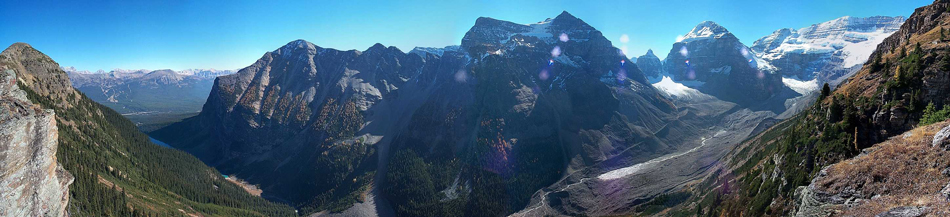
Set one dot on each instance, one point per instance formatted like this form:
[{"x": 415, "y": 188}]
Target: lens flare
[
  {"x": 461, "y": 76},
  {"x": 556, "y": 51},
  {"x": 683, "y": 51},
  {"x": 624, "y": 38},
  {"x": 622, "y": 62},
  {"x": 622, "y": 75},
  {"x": 623, "y": 50},
  {"x": 691, "y": 75},
  {"x": 544, "y": 75},
  {"x": 550, "y": 62},
  {"x": 564, "y": 37}
]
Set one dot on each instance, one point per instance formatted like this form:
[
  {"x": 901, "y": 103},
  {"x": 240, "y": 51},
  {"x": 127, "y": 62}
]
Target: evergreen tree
[
  {"x": 932, "y": 115},
  {"x": 942, "y": 35},
  {"x": 876, "y": 64},
  {"x": 945, "y": 63},
  {"x": 825, "y": 90}
]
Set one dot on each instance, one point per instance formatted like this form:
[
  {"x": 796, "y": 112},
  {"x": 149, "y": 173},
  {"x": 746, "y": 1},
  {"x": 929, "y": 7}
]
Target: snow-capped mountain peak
[
  {"x": 829, "y": 48},
  {"x": 705, "y": 30},
  {"x": 492, "y": 36}
]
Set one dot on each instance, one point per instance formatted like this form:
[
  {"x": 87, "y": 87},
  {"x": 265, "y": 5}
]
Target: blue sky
[{"x": 105, "y": 34}]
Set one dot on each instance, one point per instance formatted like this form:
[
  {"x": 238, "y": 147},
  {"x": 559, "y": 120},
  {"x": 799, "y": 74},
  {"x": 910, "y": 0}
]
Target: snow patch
[
  {"x": 802, "y": 87},
  {"x": 675, "y": 89},
  {"x": 626, "y": 171},
  {"x": 858, "y": 53}
]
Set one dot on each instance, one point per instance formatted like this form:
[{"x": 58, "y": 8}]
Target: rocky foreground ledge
[
  {"x": 907, "y": 175},
  {"x": 31, "y": 181}
]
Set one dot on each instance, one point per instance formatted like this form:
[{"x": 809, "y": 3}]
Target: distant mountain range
[{"x": 148, "y": 97}]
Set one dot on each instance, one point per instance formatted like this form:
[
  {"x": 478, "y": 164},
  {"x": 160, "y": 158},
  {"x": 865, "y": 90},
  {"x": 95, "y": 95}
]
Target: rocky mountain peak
[
  {"x": 706, "y": 30},
  {"x": 710, "y": 54},
  {"x": 295, "y": 46},
  {"x": 495, "y": 36},
  {"x": 565, "y": 16},
  {"x": 19, "y": 46},
  {"x": 649, "y": 54},
  {"x": 380, "y": 48},
  {"x": 773, "y": 40},
  {"x": 38, "y": 71},
  {"x": 375, "y": 47},
  {"x": 650, "y": 64}
]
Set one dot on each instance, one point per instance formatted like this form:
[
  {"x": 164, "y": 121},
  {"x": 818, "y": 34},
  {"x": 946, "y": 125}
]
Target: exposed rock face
[
  {"x": 711, "y": 54},
  {"x": 300, "y": 105},
  {"x": 650, "y": 65},
  {"x": 32, "y": 183},
  {"x": 827, "y": 50}
]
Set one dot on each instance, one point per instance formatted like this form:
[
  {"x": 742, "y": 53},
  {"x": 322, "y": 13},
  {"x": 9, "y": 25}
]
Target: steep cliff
[{"x": 32, "y": 182}]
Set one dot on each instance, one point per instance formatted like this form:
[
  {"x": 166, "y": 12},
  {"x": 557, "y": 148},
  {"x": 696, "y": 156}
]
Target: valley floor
[{"x": 611, "y": 191}]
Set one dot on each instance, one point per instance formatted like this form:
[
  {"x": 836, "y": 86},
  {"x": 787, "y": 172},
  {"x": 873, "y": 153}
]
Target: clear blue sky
[{"x": 172, "y": 34}]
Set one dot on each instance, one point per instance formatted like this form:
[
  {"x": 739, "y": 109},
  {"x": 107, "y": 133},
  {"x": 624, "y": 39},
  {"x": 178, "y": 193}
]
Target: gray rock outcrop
[
  {"x": 904, "y": 211},
  {"x": 941, "y": 138},
  {"x": 32, "y": 183}
]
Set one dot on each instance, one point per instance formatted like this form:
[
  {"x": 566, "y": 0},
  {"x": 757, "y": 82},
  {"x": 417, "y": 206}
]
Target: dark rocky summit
[
  {"x": 650, "y": 65},
  {"x": 730, "y": 71}
]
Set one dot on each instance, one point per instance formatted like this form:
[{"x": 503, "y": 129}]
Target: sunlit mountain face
[{"x": 475, "y": 109}]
